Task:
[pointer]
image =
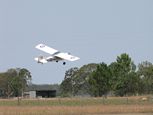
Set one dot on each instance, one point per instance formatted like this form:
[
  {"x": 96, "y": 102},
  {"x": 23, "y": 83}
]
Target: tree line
[{"x": 120, "y": 78}]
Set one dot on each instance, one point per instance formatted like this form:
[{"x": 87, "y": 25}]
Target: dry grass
[
  {"x": 76, "y": 106},
  {"x": 75, "y": 110}
]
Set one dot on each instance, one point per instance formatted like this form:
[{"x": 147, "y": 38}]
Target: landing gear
[
  {"x": 64, "y": 63},
  {"x": 56, "y": 61}
]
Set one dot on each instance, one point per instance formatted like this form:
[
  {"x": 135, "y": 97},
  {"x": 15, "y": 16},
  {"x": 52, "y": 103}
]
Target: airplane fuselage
[{"x": 42, "y": 59}]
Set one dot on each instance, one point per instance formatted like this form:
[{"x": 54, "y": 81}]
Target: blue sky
[{"x": 94, "y": 30}]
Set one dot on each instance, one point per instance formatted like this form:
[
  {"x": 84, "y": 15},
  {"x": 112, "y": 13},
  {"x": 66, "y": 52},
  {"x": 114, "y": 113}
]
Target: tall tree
[
  {"x": 21, "y": 80},
  {"x": 76, "y": 80},
  {"x": 82, "y": 86},
  {"x": 123, "y": 70},
  {"x": 100, "y": 80},
  {"x": 67, "y": 85}
]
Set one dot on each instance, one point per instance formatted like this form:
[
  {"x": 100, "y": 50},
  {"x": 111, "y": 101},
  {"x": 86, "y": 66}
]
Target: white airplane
[{"x": 55, "y": 55}]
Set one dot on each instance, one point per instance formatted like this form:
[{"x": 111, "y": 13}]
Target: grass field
[{"x": 77, "y": 106}]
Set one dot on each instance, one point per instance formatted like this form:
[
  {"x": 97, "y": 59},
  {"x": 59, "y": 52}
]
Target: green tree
[
  {"x": 7, "y": 80},
  {"x": 100, "y": 80},
  {"x": 14, "y": 81},
  {"x": 67, "y": 84},
  {"x": 76, "y": 80},
  {"x": 5, "y": 87},
  {"x": 82, "y": 86},
  {"x": 123, "y": 75},
  {"x": 20, "y": 81},
  {"x": 145, "y": 72},
  {"x": 114, "y": 69},
  {"x": 132, "y": 83}
]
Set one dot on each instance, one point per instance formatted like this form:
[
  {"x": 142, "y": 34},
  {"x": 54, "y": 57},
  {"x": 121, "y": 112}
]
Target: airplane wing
[
  {"x": 46, "y": 49},
  {"x": 67, "y": 56}
]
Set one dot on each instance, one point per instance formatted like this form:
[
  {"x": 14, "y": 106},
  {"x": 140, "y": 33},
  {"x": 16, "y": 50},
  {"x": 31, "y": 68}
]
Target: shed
[{"x": 43, "y": 91}]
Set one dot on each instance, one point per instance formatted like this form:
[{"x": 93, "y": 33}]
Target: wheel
[{"x": 64, "y": 63}]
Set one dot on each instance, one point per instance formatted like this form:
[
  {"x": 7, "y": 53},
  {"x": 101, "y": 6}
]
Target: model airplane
[{"x": 55, "y": 55}]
